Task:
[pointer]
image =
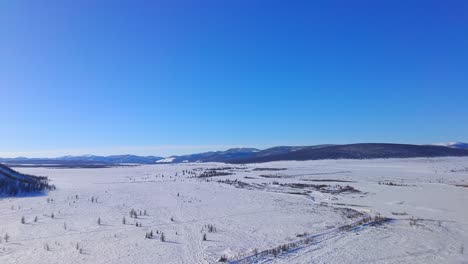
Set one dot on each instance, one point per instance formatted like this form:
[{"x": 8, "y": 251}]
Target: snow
[
  {"x": 454, "y": 144},
  {"x": 166, "y": 160},
  {"x": 263, "y": 209}
]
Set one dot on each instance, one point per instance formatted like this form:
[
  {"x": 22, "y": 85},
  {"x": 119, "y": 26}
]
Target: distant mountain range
[
  {"x": 253, "y": 155},
  {"x": 317, "y": 152},
  {"x": 81, "y": 161}
]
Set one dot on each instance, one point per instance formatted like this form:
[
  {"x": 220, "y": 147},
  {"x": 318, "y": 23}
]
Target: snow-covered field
[{"x": 314, "y": 209}]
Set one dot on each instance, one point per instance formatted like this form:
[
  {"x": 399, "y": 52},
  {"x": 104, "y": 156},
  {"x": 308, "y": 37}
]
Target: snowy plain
[{"x": 244, "y": 210}]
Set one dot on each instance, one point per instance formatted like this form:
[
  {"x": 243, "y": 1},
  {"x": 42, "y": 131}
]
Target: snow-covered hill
[
  {"x": 13, "y": 183},
  {"x": 457, "y": 145},
  {"x": 212, "y": 156}
]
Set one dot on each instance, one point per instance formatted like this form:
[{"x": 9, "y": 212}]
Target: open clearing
[{"x": 279, "y": 212}]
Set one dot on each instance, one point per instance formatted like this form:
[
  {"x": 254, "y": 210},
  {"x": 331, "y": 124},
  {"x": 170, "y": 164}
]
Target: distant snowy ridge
[
  {"x": 457, "y": 145},
  {"x": 212, "y": 156},
  {"x": 166, "y": 160}
]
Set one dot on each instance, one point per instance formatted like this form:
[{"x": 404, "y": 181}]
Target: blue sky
[{"x": 172, "y": 77}]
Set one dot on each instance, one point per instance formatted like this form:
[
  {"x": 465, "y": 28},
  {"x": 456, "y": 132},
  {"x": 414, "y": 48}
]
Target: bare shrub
[{"x": 223, "y": 258}]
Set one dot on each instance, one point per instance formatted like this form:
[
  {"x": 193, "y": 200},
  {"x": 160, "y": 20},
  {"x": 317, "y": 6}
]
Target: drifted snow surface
[
  {"x": 166, "y": 160},
  {"x": 262, "y": 216}
]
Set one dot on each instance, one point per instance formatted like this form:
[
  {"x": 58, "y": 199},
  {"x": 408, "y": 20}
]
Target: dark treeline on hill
[
  {"x": 318, "y": 152},
  {"x": 13, "y": 183},
  {"x": 358, "y": 151}
]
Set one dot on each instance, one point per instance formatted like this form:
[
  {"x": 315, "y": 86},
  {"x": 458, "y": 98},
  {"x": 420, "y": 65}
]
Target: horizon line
[{"x": 164, "y": 150}]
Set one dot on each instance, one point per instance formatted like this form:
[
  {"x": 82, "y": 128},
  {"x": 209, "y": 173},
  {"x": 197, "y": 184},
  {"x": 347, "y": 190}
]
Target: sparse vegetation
[
  {"x": 397, "y": 213},
  {"x": 133, "y": 213},
  {"x": 149, "y": 235},
  {"x": 214, "y": 173},
  {"x": 390, "y": 183}
]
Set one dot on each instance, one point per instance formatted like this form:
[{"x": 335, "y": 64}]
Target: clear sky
[{"x": 172, "y": 77}]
